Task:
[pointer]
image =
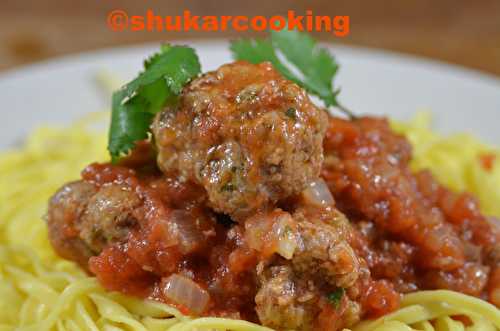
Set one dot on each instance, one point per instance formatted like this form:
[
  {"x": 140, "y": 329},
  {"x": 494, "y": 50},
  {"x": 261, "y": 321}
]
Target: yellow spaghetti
[
  {"x": 454, "y": 161},
  {"x": 40, "y": 291}
]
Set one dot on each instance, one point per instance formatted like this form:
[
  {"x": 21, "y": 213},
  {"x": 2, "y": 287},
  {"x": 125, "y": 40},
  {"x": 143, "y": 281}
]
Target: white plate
[{"x": 372, "y": 82}]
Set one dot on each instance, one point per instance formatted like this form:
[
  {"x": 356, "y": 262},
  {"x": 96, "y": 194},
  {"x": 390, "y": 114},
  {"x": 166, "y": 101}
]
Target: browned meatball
[
  {"x": 65, "y": 209},
  {"x": 282, "y": 303},
  {"x": 246, "y": 134},
  {"x": 108, "y": 216},
  {"x": 83, "y": 219},
  {"x": 325, "y": 252},
  {"x": 294, "y": 289},
  {"x": 288, "y": 301}
]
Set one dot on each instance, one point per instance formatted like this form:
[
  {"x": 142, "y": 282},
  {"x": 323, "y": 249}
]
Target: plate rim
[{"x": 372, "y": 52}]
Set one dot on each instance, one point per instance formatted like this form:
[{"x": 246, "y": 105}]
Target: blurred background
[{"x": 463, "y": 32}]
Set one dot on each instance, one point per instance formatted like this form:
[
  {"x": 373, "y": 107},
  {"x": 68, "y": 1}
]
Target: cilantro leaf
[
  {"x": 175, "y": 65},
  {"x": 129, "y": 124},
  {"x": 153, "y": 58},
  {"x": 315, "y": 65},
  {"x": 257, "y": 51},
  {"x": 336, "y": 296},
  {"x": 134, "y": 105}
]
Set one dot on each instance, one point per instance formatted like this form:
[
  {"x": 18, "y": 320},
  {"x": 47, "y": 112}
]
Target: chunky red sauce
[
  {"x": 137, "y": 266},
  {"x": 412, "y": 231},
  {"x": 221, "y": 263},
  {"x": 407, "y": 231}
]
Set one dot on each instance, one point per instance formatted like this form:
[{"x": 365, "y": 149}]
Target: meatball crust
[
  {"x": 65, "y": 209},
  {"x": 83, "y": 219},
  {"x": 325, "y": 252},
  {"x": 108, "y": 216},
  {"x": 285, "y": 302},
  {"x": 294, "y": 291},
  {"x": 246, "y": 134},
  {"x": 288, "y": 301}
]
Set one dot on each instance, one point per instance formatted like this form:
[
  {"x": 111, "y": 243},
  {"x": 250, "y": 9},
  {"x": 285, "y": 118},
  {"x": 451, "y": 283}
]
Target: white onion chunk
[
  {"x": 318, "y": 194},
  {"x": 185, "y": 292}
]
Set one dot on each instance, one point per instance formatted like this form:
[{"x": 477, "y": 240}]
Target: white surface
[{"x": 372, "y": 82}]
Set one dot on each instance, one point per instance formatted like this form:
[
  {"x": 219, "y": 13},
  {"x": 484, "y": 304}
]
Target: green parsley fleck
[
  {"x": 292, "y": 113},
  {"x": 336, "y": 296}
]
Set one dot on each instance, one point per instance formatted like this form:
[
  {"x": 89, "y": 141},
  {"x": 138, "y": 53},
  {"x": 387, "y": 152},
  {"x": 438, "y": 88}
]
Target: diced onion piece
[
  {"x": 189, "y": 237},
  {"x": 256, "y": 231},
  {"x": 274, "y": 232},
  {"x": 186, "y": 292},
  {"x": 286, "y": 231},
  {"x": 318, "y": 194}
]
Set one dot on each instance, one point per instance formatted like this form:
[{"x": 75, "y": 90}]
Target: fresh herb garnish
[
  {"x": 134, "y": 105},
  {"x": 336, "y": 297},
  {"x": 315, "y": 65}
]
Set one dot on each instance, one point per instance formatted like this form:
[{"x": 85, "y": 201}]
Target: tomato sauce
[
  {"x": 151, "y": 252},
  {"x": 407, "y": 233},
  {"x": 487, "y": 161},
  {"x": 412, "y": 231}
]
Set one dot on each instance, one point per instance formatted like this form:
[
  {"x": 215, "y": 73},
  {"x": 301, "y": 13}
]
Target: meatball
[
  {"x": 325, "y": 252},
  {"x": 83, "y": 219},
  {"x": 315, "y": 241},
  {"x": 244, "y": 133},
  {"x": 294, "y": 289},
  {"x": 108, "y": 216},
  {"x": 281, "y": 303},
  {"x": 287, "y": 301},
  {"x": 65, "y": 209}
]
